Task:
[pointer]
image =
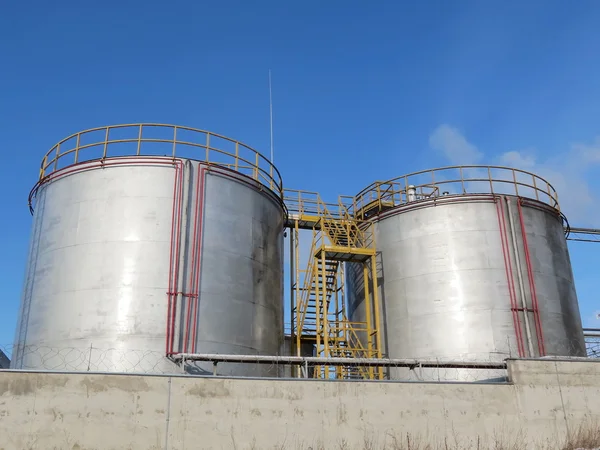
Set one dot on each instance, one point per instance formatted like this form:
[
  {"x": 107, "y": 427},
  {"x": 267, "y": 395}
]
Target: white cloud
[
  {"x": 591, "y": 321},
  {"x": 571, "y": 172},
  {"x": 454, "y": 146},
  {"x": 518, "y": 160}
]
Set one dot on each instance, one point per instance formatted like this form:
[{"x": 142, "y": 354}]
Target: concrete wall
[{"x": 78, "y": 411}]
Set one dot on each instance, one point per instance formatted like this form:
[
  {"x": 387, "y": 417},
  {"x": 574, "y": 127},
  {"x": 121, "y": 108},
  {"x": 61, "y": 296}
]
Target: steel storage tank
[
  {"x": 473, "y": 265},
  {"x": 148, "y": 241}
]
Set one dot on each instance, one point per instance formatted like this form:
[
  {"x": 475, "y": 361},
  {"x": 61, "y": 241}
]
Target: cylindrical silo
[
  {"x": 470, "y": 268},
  {"x": 136, "y": 256}
]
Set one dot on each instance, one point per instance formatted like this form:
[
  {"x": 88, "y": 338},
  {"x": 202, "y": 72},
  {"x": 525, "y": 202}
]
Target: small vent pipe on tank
[{"x": 411, "y": 193}]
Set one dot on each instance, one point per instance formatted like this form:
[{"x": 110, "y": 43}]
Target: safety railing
[
  {"x": 334, "y": 219},
  {"x": 349, "y": 234},
  {"x": 307, "y": 203},
  {"x": 161, "y": 140},
  {"x": 304, "y": 299},
  {"x": 454, "y": 180},
  {"x": 356, "y": 348}
]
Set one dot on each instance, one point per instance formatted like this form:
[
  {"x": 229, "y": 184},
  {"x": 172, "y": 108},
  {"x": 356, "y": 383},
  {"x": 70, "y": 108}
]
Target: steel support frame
[{"x": 332, "y": 335}]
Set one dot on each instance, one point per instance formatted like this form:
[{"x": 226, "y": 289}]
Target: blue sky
[{"x": 362, "y": 91}]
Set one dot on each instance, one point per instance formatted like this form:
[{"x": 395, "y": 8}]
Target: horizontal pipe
[
  {"x": 585, "y": 230},
  {"x": 577, "y": 234},
  {"x": 591, "y": 332},
  {"x": 314, "y": 360}
]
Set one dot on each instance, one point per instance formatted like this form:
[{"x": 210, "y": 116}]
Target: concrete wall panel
[{"x": 545, "y": 401}]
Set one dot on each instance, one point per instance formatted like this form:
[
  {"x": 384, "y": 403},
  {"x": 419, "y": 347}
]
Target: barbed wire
[
  {"x": 592, "y": 344},
  {"x": 89, "y": 359},
  {"x": 125, "y": 360}
]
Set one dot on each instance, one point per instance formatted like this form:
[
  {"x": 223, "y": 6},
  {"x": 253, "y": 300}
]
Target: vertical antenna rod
[{"x": 271, "y": 114}]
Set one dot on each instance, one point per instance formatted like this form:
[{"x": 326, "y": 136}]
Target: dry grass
[{"x": 585, "y": 436}]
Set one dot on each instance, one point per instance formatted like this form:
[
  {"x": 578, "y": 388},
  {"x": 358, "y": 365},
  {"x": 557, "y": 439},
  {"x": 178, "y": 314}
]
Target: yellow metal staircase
[{"x": 319, "y": 311}]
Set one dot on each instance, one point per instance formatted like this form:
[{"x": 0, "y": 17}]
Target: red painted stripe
[
  {"x": 531, "y": 277},
  {"x": 201, "y": 181},
  {"x": 174, "y": 255},
  {"x": 510, "y": 277}
]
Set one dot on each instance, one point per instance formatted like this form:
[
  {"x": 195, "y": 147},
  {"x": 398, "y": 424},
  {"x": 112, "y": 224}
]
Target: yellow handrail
[
  {"x": 306, "y": 287},
  {"x": 166, "y": 141},
  {"x": 455, "y": 180},
  {"x": 425, "y": 185}
]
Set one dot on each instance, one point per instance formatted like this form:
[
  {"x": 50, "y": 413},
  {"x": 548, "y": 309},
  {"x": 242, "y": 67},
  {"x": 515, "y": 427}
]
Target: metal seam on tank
[
  {"x": 197, "y": 245},
  {"x": 530, "y": 274},
  {"x": 175, "y": 238},
  {"x": 202, "y": 179},
  {"x": 517, "y": 257},
  {"x": 180, "y": 204},
  {"x": 187, "y": 181},
  {"x": 190, "y": 294},
  {"x": 509, "y": 276}
]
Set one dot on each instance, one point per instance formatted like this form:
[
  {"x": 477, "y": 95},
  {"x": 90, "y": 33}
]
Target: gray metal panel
[
  {"x": 555, "y": 286},
  {"x": 4, "y": 361},
  {"x": 241, "y": 309},
  {"x": 444, "y": 289},
  {"x": 96, "y": 291}
]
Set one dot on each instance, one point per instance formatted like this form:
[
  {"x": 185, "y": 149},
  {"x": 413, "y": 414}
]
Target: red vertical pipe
[
  {"x": 179, "y": 219},
  {"x": 170, "y": 290},
  {"x": 530, "y": 276},
  {"x": 194, "y": 247},
  {"x": 200, "y": 219},
  {"x": 190, "y": 329},
  {"x": 509, "y": 277},
  {"x": 173, "y": 256}
]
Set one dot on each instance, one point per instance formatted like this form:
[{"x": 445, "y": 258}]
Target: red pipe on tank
[
  {"x": 191, "y": 280},
  {"x": 530, "y": 276},
  {"x": 510, "y": 278},
  {"x": 174, "y": 253},
  {"x": 193, "y": 305},
  {"x": 193, "y": 297},
  {"x": 200, "y": 218},
  {"x": 194, "y": 281},
  {"x": 177, "y": 249}
]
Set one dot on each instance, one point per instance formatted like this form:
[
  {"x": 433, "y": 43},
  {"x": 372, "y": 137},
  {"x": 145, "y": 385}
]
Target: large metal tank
[
  {"x": 134, "y": 257},
  {"x": 470, "y": 268}
]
